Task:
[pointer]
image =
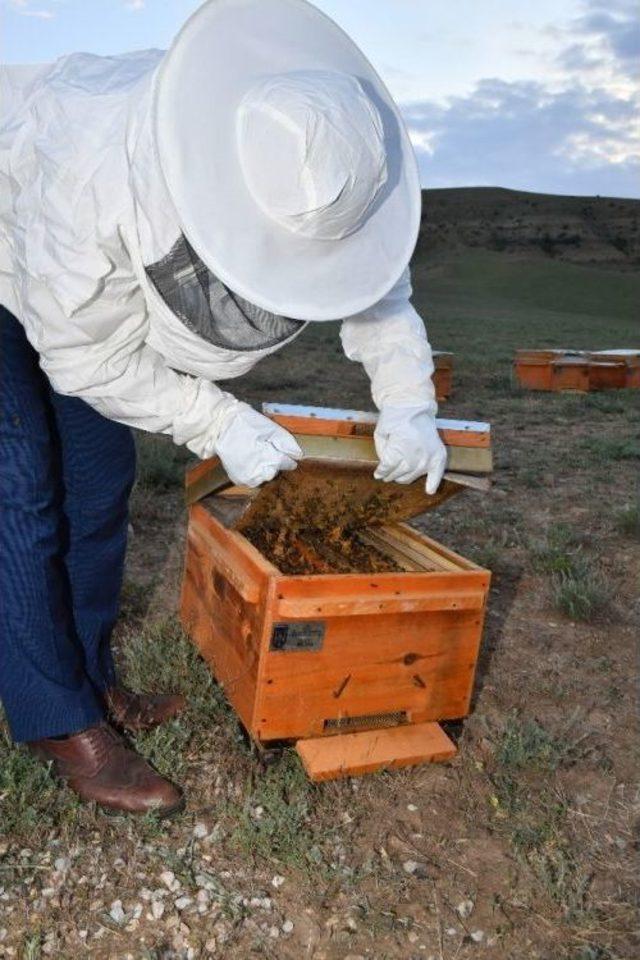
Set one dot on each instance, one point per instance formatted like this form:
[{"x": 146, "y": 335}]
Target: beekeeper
[{"x": 167, "y": 220}]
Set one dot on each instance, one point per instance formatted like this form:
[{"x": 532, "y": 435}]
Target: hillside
[{"x": 580, "y": 229}]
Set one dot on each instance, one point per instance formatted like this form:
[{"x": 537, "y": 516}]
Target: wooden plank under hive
[
  {"x": 358, "y": 753},
  {"x": 367, "y": 662}
]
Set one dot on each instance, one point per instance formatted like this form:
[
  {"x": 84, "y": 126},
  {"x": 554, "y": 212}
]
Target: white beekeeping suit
[{"x": 154, "y": 242}]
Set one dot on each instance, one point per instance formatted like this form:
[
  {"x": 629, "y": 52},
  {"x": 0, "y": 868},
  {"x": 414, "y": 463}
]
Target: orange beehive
[
  {"x": 576, "y": 370},
  {"x": 570, "y": 374},
  {"x": 533, "y": 368},
  {"x": 443, "y": 374},
  {"x": 631, "y": 360},
  {"x": 607, "y": 374},
  {"x": 357, "y": 668}
]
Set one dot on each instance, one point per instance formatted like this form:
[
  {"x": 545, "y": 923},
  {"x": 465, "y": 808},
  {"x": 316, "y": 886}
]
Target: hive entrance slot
[{"x": 371, "y": 721}]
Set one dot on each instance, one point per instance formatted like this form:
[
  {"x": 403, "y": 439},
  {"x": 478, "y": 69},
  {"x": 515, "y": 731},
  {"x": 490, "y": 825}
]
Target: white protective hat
[{"x": 286, "y": 159}]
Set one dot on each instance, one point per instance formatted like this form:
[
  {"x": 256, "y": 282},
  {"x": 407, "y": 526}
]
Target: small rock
[
  {"x": 277, "y": 881},
  {"x": 477, "y": 936},
  {"x": 182, "y": 903},
  {"x": 464, "y": 909},
  {"x": 411, "y": 807},
  {"x": 287, "y": 926},
  {"x": 170, "y": 880},
  {"x": 200, "y": 831},
  {"x": 415, "y": 869},
  {"x": 61, "y": 864},
  {"x": 274, "y": 933},
  {"x": 451, "y": 932},
  {"x": 222, "y": 931},
  {"x": 211, "y": 946},
  {"x": 157, "y": 909},
  {"x": 116, "y": 912}
]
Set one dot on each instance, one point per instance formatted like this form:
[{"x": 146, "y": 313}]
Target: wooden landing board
[{"x": 353, "y": 754}]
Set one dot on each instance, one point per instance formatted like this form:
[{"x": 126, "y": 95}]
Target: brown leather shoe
[
  {"x": 141, "y": 711},
  {"x": 99, "y": 766}
]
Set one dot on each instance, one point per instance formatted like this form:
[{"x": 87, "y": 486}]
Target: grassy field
[{"x": 522, "y": 848}]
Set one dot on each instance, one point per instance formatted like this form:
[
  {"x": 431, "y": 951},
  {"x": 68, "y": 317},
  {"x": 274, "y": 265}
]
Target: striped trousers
[{"x": 65, "y": 477}]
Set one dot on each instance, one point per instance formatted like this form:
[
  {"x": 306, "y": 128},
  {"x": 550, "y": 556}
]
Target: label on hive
[{"x": 298, "y": 635}]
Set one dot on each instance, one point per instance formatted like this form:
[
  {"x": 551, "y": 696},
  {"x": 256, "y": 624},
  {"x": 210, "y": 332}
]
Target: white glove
[
  {"x": 253, "y": 448},
  {"x": 408, "y": 446}
]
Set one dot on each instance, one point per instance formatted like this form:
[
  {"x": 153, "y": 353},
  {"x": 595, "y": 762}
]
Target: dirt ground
[{"x": 522, "y": 848}]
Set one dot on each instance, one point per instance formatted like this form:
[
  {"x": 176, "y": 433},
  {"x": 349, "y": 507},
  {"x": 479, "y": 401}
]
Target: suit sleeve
[
  {"x": 86, "y": 315},
  {"x": 390, "y": 341}
]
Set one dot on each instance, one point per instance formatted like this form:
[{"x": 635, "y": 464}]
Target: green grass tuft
[
  {"x": 525, "y": 743},
  {"x": 30, "y": 800},
  {"x": 32, "y": 947},
  {"x": 627, "y": 520},
  {"x": 557, "y": 553},
  {"x": 603, "y": 450},
  {"x": 581, "y": 593},
  {"x": 160, "y": 463},
  {"x": 531, "y": 812},
  {"x": 578, "y": 588},
  {"x": 274, "y": 821}
]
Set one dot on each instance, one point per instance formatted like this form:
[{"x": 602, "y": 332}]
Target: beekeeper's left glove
[{"x": 408, "y": 446}]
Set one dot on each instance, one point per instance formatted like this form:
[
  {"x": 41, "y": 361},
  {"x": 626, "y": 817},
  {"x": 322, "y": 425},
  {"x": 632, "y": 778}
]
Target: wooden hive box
[
  {"x": 630, "y": 359},
  {"x": 356, "y": 668},
  {"x": 576, "y": 370},
  {"x": 570, "y": 374},
  {"x": 533, "y": 368},
  {"x": 443, "y": 374},
  {"x": 607, "y": 374}
]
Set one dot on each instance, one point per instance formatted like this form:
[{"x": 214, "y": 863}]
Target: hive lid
[{"x": 333, "y": 486}]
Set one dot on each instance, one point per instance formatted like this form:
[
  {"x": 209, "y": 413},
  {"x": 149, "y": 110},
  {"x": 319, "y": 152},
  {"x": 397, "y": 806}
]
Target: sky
[{"x": 540, "y": 95}]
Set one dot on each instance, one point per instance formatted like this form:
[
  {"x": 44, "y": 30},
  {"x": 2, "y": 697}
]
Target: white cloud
[
  {"x": 575, "y": 131},
  {"x": 24, "y": 9},
  {"x": 525, "y": 136}
]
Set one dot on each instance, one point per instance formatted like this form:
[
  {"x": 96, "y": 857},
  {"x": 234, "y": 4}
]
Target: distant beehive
[
  {"x": 577, "y": 371},
  {"x": 443, "y": 374}
]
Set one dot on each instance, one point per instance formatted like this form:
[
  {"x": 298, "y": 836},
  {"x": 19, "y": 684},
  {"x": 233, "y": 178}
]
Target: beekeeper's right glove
[{"x": 254, "y": 449}]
